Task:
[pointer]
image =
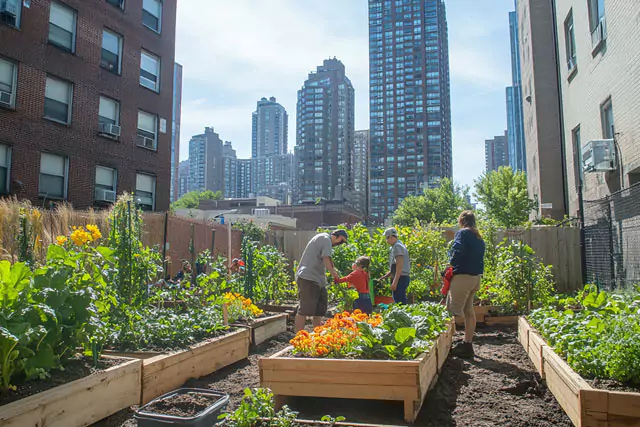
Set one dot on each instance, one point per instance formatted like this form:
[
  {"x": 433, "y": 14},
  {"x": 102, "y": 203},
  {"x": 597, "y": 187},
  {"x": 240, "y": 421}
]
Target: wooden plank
[
  {"x": 165, "y": 373},
  {"x": 501, "y": 320},
  {"x": 624, "y": 404},
  {"x": 74, "y": 404},
  {"x": 536, "y": 344},
  {"x": 344, "y": 391},
  {"x": 564, "y": 383},
  {"x": 270, "y": 327},
  {"x": 523, "y": 333},
  {"x": 443, "y": 345},
  {"x": 428, "y": 372},
  {"x": 132, "y": 354},
  {"x": 593, "y": 407},
  {"x": 338, "y": 378}
]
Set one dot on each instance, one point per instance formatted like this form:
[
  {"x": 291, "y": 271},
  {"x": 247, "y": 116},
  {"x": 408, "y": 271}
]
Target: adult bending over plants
[
  {"x": 467, "y": 260},
  {"x": 311, "y": 277},
  {"x": 399, "y": 266}
]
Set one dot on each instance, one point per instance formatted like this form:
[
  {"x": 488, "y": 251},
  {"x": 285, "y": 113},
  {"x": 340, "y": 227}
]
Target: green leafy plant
[
  {"x": 257, "y": 409},
  {"x": 601, "y": 339}
]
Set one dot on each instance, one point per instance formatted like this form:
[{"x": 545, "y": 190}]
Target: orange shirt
[{"x": 359, "y": 279}]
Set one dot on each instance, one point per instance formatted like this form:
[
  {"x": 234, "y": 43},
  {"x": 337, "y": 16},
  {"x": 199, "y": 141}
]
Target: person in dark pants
[
  {"x": 399, "y": 266},
  {"x": 467, "y": 261},
  {"x": 359, "y": 279}
]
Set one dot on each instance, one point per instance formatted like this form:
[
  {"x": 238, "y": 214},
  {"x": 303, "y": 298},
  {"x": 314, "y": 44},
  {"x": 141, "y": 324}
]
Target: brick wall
[
  {"x": 610, "y": 73},
  {"x": 28, "y": 133}
]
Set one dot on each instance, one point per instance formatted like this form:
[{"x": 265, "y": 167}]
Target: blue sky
[{"x": 236, "y": 51}]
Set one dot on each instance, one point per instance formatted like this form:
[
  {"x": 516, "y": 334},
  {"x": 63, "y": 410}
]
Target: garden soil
[
  {"x": 182, "y": 405},
  {"x": 499, "y": 387}
]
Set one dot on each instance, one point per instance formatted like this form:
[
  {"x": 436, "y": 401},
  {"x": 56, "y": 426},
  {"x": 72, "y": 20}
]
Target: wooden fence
[{"x": 557, "y": 246}]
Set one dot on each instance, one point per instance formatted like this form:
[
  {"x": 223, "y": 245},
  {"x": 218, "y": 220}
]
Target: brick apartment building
[{"x": 86, "y": 93}]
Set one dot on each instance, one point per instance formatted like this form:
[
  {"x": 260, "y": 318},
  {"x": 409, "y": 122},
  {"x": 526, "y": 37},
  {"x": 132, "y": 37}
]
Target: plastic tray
[{"x": 206, "y": 418}]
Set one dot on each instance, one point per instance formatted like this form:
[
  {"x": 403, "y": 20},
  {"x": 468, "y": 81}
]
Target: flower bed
[
  {"x": 336, "y": 360},
  {"x": 585, "y": 405}
]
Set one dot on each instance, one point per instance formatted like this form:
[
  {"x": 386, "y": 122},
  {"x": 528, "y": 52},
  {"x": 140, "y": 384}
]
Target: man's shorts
[{"x": 313, "y": 298}]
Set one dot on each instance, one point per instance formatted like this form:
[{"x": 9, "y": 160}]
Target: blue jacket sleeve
[{"x": 457, "y": 250}]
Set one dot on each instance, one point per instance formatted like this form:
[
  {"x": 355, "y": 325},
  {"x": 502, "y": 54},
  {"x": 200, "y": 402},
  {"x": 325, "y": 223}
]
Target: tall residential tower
[
  {"x": 515, "y": 121},
  {"x": 270, "y": 124},
  {"x": 410, "y": 126},
  {"x": 325, "y": 134}
]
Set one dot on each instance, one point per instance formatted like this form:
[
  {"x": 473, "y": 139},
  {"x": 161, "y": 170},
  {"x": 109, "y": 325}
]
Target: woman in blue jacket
[{"x": 467, "y": 260}]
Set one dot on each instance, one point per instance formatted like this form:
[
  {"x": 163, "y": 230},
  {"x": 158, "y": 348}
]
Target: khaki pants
[{"x": 460, "y": 297}]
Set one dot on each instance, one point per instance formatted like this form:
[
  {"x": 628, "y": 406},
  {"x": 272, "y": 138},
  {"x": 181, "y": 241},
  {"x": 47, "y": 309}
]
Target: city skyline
[{"x": 254, "y": 65}]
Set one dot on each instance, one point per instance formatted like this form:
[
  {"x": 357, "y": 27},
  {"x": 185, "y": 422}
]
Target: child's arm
[{"x": 348, "y": 279}]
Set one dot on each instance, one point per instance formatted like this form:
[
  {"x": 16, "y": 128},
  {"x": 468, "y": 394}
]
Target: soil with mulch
[
  {"x": 182, "y": 405},
  {"x": 74, "y": 369},
  {"x": 612, "y": 385},
  {"x": 499, "y": 387}
]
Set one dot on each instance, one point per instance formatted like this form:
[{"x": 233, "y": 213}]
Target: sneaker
[{"x": 463, "y": 350}]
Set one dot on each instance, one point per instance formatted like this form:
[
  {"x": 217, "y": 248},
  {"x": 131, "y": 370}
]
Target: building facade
[
  {"x": 175, "y": 130},
  {"x": 270, "y": 129},
  {"x": 360, "y": 159},
  {"x": 206, "y": 162},
  {"x": 272, "y": 177},
  {"x": 496, "y": 152},
  {"x": 183, "y": 179},
  {"x": 410, "y": 119},
  {"x": 86, "y": 97},
  {"x": 244, "y": 178},
  {"x": 325, "y": 134},
  {"x": 541, "y": 108},
  {"x": 230, "y": 163},
  {"x": 515, "y": 120},
  {"x": 599, "y": 49}
]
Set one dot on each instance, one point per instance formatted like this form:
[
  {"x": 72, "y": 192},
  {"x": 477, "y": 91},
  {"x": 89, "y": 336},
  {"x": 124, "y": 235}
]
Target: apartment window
[
  {"x": 54, "y": 171},
  {"x": 117, "y": 3},
  {"x": 608, "y": 128},
  {"x": 577, "y": 156},
  {"x": 111, "y": 52},
  {"x": 8, "y": 74},
  {"x": 147, "y": 130},
  {"x": 570, "y": 42},
  {"x": 109, "y": 111},
  {"x": 105, "y": 190},
  {"x": 62, "y": 27},
  {"x": 145, "y": 191},
  {"x": 11, "y": 11},
  {"x": 152, "y": 14},
  {"x": 596, "y": 13},
  {"x": 58, "y": 96},
  {"x": 5, "y": 168},
  {"x": 150, "y": 71}
]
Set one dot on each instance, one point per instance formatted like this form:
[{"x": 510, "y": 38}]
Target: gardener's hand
[{"x": 394, "y": 286}]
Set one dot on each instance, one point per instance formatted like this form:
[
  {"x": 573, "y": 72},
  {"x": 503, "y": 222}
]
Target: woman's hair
[{"x": 467, "y": 219}]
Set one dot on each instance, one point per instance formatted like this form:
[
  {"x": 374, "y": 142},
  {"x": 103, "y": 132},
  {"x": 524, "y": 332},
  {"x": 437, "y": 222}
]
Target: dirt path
[{"x": 498, "y": 388}]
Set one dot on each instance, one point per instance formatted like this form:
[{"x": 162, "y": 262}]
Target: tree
[
  {"x": 440, "y": 205},
  {"x": 191, "y": 200},
  {"x": 505, "y": 198}
]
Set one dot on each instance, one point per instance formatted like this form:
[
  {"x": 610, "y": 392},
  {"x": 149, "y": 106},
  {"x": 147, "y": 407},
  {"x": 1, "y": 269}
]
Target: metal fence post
[{"x": 611, "y": 254}]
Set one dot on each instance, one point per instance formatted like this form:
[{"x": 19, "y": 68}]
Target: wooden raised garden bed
[
  {"x": 405, "y": 380},
  {"x": 78, "y": 403},
  {"x": 265, "y": 328},
  {"x": 483, "y": 315},
  {"x": 167, "y": 372},
  {"x": 585, "y": 405},
  {"x": 290, "y": 309}
]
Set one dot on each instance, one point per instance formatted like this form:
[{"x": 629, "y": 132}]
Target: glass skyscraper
[
  {"x": 410, "y": 122},
  {"x": 515, "y": 118}
]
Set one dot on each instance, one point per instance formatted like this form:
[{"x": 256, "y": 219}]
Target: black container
[{"x": 206, "y": 418}]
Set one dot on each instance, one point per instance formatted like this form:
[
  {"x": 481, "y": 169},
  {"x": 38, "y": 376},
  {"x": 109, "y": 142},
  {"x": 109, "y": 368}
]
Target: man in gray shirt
[
  {"x": 399, "y": 266},
  {"x": 311, "y": 277}
]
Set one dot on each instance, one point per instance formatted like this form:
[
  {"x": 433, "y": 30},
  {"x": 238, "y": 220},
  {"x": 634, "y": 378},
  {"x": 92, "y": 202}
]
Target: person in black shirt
[{"x": 467, "y": 261}]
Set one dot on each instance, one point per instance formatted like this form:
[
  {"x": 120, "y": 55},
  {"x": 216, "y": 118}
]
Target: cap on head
[
  {"x": 341, "y": 233},
  {"x": 390, "y": 232}
]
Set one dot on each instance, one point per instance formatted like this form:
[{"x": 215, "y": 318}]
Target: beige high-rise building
[
  {"x": 599, "y": 62},
  {"x": 541, "y": 107}
]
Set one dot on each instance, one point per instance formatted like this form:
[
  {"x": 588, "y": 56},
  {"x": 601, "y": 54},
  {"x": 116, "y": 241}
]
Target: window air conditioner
[
  {"x": 9, "y": 7},
  {"x": 103, "y": 195},
  {"x": 109, "y": 129},
  {"x": 5, "y": 98},
  {"x": 599, "y": 156}
]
